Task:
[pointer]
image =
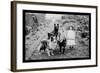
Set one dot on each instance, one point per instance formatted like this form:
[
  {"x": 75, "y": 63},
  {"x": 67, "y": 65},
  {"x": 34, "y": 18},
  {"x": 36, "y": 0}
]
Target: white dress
[{"x": 71, "y": 37}]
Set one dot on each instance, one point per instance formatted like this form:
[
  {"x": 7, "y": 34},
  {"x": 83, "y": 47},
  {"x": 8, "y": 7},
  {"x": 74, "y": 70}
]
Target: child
[
  {"x": 62, "y": 41},
  {"x": 71, "y": 34}
]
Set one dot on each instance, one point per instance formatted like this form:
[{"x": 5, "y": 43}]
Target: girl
[{"x": 71, "y": 34}]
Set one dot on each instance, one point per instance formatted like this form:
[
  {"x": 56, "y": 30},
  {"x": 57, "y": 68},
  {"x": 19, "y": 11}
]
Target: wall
[{"x": 5, "y": 37}]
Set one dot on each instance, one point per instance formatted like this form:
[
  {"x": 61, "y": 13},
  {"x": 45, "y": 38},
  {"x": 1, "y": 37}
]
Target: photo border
[{"x": 55, "y": 12}]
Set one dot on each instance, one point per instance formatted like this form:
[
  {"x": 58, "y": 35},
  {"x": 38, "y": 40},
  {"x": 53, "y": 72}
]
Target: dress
[{"x": 71, "y": 37}]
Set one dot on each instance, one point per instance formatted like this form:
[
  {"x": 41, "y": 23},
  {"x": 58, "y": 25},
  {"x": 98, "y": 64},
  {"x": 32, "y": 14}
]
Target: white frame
[{"x": 19, "y": 65}]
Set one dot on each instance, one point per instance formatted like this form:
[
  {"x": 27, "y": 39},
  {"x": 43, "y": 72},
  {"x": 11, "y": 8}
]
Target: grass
[{"x": 78, "y": 52}]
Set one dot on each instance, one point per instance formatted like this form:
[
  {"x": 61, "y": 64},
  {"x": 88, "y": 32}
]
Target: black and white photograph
[
  {"x": 47, "y": 36},
  {"x": 50, "y": 35}
]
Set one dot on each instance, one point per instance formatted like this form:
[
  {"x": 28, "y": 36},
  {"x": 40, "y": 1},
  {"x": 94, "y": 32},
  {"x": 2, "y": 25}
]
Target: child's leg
[
  {"x": 63, "y": 50},
  {"x": 72, "y": 47},
  {"x": 60, "y": 48}
]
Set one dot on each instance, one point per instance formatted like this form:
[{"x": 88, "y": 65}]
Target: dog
[
  {"x": 52, "y": 44},
  {"x": 48, "y": 46},
  {"x": 44, "y": 45}
]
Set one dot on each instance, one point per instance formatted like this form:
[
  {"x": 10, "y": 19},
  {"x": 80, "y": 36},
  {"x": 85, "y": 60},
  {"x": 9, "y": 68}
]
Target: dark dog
[
  {"x": 44, "y": 45},
  {"x": 62, "y": 45}
]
